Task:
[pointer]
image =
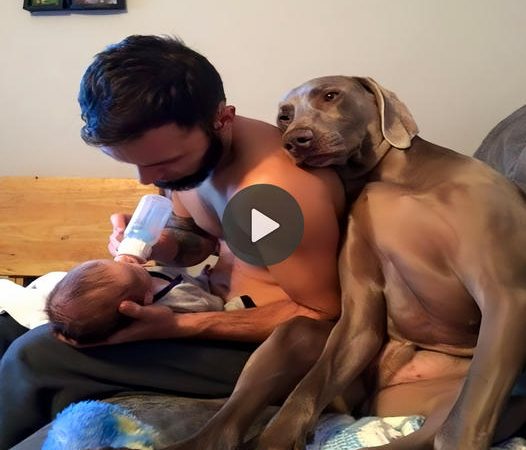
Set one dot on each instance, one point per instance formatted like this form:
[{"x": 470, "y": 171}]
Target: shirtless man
[{"x": 154, "y": 103}]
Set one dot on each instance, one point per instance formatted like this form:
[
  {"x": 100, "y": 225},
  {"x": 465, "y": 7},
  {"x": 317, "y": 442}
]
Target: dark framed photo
[
  {"x": 97, "y": 4},
  {"x": 44, "y": 5}
]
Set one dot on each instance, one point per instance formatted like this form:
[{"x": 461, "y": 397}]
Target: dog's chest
[
  {"x": 413, "y": 248},
  {"x": 397, "y": 223}
]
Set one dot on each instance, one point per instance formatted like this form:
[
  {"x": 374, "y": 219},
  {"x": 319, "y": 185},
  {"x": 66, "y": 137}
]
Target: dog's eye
[{"x": 330, "y": 96}]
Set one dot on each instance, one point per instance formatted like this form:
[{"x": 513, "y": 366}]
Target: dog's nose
[{"x": 298, "y": 139}]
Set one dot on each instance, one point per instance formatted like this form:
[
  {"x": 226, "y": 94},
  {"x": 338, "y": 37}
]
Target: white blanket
[{"x": 26, "y": 304}]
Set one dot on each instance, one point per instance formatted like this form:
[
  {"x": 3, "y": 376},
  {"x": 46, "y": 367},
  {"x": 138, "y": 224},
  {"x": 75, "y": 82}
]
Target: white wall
[{"x": 460, "y": 65}]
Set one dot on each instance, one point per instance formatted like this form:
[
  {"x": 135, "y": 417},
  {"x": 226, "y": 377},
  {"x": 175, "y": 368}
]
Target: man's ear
[{"x": 224, "y": 117}]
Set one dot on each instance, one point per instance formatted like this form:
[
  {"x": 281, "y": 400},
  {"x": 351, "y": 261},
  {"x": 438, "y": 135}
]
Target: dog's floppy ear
[{"x": 398, "y": 125}]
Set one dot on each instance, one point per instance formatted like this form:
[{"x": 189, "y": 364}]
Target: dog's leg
[
  {"x": 269, "y": 375},
  {"x": 352, "y": 344},
  {"x": 497, "y": 363},
  {"x": 329, "y": 377}
]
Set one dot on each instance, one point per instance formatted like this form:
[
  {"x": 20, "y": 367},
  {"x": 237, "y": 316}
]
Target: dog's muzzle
[
  {"x": 316, "y": 151},
  {"x": 299, "y": 142}
]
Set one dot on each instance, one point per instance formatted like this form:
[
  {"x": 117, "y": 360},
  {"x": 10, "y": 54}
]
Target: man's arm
[
  {"x": 247, "y": 325},
  {"x": 309, "y": 277},
  {"x": 182, "y": 242}
]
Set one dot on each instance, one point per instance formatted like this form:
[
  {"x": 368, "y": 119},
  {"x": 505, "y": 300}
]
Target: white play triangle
[{"x": 261, "y": 225}]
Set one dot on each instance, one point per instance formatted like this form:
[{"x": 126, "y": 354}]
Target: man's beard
[{"x": 208, "y": 163}]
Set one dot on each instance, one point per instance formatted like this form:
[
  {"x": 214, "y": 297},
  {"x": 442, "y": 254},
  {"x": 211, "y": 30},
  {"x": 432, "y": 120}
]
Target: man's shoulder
[
  {"x": 308, "y": 187},
  {"x": 263, "y": 160},
  {"x": 289, "y": 176}
]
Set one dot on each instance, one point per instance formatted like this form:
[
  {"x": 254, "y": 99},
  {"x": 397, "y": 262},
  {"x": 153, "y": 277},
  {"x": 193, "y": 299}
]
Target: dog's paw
[
  {"x": 289, "y": 429},
  {"x": 280, "y": 441}
]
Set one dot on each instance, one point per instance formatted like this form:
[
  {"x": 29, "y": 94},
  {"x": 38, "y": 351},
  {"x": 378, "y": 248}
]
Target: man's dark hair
[{"x": 144, "y": 82}]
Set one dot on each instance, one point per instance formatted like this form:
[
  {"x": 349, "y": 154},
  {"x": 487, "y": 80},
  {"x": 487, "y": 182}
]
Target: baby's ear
[
  {"x": 148, "y": 298},
  {"x": 65, "y": 339}
]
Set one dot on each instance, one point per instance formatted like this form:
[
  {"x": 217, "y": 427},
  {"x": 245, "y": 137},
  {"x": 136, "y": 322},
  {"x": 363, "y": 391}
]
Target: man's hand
[
  {"x": 118, "y": 222},
  {"x": 165, "y": 250},
  {"x": 149, "y": 322}
]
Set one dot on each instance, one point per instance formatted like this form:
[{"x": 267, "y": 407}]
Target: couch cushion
[
  {"x": 504, "y": 148},
  {"x": 175, "y": 418}
]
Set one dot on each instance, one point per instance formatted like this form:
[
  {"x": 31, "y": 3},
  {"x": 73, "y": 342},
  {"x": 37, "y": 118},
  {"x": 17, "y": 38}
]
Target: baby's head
[{"x": 84, "y": 305}]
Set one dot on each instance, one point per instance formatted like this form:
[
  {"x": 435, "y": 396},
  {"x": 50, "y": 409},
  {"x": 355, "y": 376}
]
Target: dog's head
[{"x": 337, "y": 120}]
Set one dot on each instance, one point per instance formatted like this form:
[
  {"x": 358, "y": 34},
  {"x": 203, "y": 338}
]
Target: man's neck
[{"x": 229, "y": 138}]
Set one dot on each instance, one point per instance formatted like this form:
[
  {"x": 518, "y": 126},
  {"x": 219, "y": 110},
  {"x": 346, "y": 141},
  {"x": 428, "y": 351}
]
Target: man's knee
[
  {"x": 28, "y": 350},
  {"x": 302, "y": 338},
  {"x": 10, "y": 330}
]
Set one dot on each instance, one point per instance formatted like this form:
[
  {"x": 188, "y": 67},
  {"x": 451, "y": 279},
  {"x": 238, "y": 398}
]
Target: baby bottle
[{"x": 145, "y": 227}]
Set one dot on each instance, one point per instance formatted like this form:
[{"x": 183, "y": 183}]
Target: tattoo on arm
[{"x": 194, "y": 243}]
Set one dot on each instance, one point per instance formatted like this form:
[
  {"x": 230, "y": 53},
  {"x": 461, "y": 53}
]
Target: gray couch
[{"x": 504, "y": 148}]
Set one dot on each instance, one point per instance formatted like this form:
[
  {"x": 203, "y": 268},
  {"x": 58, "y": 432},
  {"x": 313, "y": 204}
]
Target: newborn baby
[{"x": 84, "y": 305}]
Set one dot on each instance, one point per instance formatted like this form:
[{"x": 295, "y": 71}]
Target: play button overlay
[{"x": 262, "y": 224}]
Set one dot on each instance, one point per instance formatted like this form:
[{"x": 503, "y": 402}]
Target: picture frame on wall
[
  {"x": 44, "y": 5},
  {"x": 97, "y": 4}
]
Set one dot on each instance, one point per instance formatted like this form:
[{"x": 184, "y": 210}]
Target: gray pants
[{"x": 40, "y": 375}]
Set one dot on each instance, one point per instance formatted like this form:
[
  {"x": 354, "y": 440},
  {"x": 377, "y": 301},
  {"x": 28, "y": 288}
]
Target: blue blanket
[{"x": 341, "y": 432}]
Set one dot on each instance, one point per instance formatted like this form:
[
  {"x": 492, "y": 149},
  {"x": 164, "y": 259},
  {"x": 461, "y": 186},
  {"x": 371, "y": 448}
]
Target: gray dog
[{"x": 433, "y": 275}]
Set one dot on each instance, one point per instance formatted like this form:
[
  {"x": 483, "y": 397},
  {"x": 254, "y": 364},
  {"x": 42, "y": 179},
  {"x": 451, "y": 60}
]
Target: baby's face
[{"x": 136, "y": 277}]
